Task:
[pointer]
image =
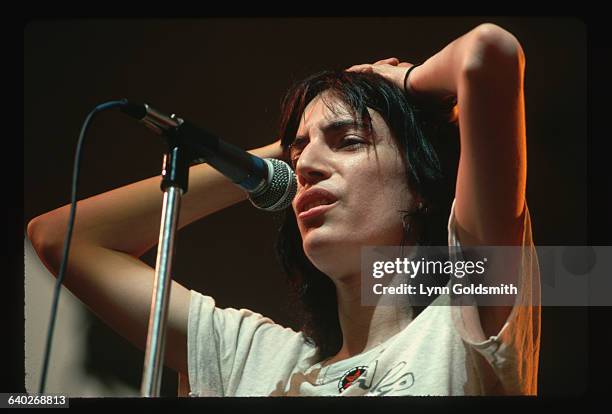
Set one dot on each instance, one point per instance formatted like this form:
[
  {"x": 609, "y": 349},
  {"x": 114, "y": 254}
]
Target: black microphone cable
[{"x": 60, "y": 277}]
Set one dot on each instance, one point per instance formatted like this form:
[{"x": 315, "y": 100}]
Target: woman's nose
[{"x": 313, "y": 164}]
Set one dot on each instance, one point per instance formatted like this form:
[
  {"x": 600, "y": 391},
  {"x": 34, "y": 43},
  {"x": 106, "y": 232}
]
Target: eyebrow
[{"x": 337, "y": 125}]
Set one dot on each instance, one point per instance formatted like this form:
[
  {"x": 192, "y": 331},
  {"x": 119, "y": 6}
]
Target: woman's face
[{"x": 350, "y": 191}]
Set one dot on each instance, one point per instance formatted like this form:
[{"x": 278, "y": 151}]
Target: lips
[{"x": 314, "y": 199}]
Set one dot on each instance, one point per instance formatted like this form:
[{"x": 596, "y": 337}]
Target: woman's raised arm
[{"x": 111, "y": 231}]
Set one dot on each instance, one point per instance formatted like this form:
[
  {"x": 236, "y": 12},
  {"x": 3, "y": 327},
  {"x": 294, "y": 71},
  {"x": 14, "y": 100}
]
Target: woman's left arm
[{"x": 484, "y": 70}]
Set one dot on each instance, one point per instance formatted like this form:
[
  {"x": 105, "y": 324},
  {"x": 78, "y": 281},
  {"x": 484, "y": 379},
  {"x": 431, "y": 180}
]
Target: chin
[
  {"x": 317, "y": 243},
  {"x": 331, "y": 253}
]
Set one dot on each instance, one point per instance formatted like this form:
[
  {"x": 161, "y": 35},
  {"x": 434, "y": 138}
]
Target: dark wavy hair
[{"x": 415, "y": 129}]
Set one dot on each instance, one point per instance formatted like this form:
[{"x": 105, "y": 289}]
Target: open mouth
[
  {"x": 314, "y": 202},
  {"x": 315, "y": 211},
  {"x": 314, "y": 197}
]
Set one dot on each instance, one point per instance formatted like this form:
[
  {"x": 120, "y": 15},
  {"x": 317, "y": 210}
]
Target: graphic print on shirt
[
  {"x": 351, "y": 376},
  {"x": 395, "y": 380}
]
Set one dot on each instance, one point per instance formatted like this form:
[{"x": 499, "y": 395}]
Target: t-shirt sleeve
[
  {"x": 513, "y": 353},
  {"x": 230, "y": 350}
]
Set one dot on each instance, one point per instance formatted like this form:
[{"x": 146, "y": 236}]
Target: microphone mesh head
[{"x": 280, "y": 189}]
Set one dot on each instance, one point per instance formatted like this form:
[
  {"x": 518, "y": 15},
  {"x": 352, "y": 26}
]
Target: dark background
[{"x": 229, "y": 75}]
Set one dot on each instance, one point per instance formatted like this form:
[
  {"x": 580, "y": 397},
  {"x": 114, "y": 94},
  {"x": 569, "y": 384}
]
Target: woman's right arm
[{"x": 111, "y": 231}]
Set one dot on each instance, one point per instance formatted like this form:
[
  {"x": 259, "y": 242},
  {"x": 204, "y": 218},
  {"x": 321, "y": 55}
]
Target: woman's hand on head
[
  {"x": 444, "y": 109},
  {"x": 391, "y": 69}
]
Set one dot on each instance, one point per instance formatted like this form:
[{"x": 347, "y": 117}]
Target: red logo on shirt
[{"x": 350, "y": 376}]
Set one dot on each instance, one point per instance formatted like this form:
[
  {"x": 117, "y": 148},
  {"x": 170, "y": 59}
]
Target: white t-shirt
[{"x": 242, "y": 353}]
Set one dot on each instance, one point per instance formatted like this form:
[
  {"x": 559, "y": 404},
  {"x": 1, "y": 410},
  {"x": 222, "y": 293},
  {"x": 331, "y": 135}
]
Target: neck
[{"x": 364, "y": 327}]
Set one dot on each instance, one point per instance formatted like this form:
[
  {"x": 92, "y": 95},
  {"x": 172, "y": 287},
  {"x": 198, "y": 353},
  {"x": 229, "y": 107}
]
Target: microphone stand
[
  {"x": 187, "y": 145},
  {"x": 175, "y": 174}
]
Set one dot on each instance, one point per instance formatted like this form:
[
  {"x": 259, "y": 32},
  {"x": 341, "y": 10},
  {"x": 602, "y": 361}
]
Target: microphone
[{"x": 270, "y": 183}]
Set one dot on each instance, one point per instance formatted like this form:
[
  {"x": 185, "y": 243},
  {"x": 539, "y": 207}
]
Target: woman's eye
[
  {"x": 351, "y": 141},
  {"x": 347, "y": 142}
]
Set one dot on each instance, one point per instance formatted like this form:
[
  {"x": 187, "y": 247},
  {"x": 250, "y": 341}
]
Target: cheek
[{"x": 380, "y": 193}]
